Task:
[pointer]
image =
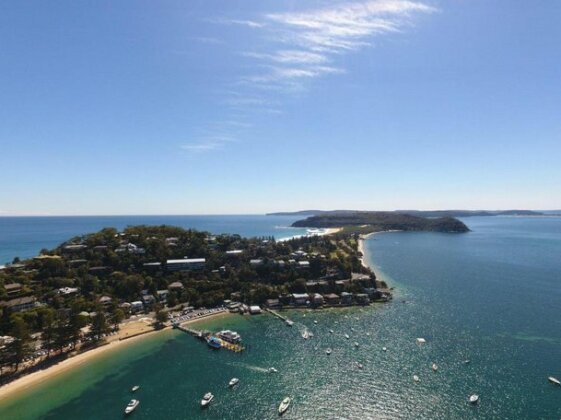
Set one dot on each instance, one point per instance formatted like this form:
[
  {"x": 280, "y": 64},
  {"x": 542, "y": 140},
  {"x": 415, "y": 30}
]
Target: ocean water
[
  {"x": 24, "y": 237},
  {"x": 492, "y": 296}
]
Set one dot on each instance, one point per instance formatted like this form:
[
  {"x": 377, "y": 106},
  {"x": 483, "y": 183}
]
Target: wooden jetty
[
  {"x": 205, "y": 335},
  {"x": 285, "y": 319}
]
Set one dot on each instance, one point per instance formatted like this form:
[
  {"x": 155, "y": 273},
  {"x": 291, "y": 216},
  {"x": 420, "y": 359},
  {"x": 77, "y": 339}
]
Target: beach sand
[{"x": 129, "y": 333}]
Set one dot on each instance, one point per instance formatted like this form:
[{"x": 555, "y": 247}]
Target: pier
[
  {"x": 285, "y": 319},
  {"x": 205, "y": 335}
]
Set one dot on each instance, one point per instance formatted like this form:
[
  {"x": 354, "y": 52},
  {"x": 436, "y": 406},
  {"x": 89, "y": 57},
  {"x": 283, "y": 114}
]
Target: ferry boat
[
  {"x": 207, "y": 398},
  {"x": 131, "y": 406},
  {"x": 230, "y": 336},
  {"x": 284, "y": 405},
  {"x": 214, "y": 343}
]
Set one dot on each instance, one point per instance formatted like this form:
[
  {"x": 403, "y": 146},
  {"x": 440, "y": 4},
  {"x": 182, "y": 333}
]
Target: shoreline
[
  {"x": 327, "y": 231},
  {"x": 24, "y": 383},
  {"x": 363, "y": 260}
]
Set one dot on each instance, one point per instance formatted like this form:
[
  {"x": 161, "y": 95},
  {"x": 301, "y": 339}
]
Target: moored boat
[
  {"x": 347, "y": 336},
  {"x": 207, "y": 398},
  {"x": 434, "y": 367},
  {"x": 284, "y": 405},
  {"x": 214, "y": 343},
  {"x": 554, "y": 381},
  {"x": 289, "y": 322},
  {"x": 421, "y": 341},
  {"x": 229, "y": 336},
  {"x": 416, "y": 378},
  {"x": 131, "y": 406},
  {"x": 328, "y": 351},
  {"x": 474, "y": 399},
  {"x": 272, "y": 370},
  {"x": 233, "y": 382},
  {"x": 135, "y": 388}
]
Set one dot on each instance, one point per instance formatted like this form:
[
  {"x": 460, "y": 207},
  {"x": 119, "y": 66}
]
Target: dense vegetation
[
  {"x": 90, "y": 281},
  {"x": 379, "y": 221},
  {"x": 420, "y": 213}
]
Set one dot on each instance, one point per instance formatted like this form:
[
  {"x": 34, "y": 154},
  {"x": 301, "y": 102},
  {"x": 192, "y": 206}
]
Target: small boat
[
  {"x": 131, "y": 406},
  {"x": 233, "y": 382},
  {"x": 416, "y": 378},
  {"x": 330, "y": 331},
  {"x": 352, "y": 329},
  {"x": 434, "y": 367},
  {"x": 207, "y": 398},
  {"x": 289, "y": 322},
  {"x": 328, "y": 352},
  {"x": 272, "y": 370},
  {"x": 315, "y": 322},
  {"x": 135, "y": 388},
  {"x": 467, "y": 361},
  {"x": 359, "y": 365},
  {"x": 421, "y": 341},
  {"x": 356, "y": 344},
  {"x": 554, "y": 381},
  {"x": 384, "y": 349},
  {"x": 214, "y": 343},
  {"x": 284, "y": 405},
  {"x": 368, "y": 334},
  {"x": 305, "y": 335},
  {"x": 474, "y": 399},
  {"x": 347, "y": 336}
]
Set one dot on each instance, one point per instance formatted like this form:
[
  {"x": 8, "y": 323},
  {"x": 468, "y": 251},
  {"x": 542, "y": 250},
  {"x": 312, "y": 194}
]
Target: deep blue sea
[
  {"x": 491, "y": 296},
  {"x": 24, "y": 237}
]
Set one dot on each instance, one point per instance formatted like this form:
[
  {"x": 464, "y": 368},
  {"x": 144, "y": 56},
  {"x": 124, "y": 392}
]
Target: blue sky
[{"x": 185, "y": 107}]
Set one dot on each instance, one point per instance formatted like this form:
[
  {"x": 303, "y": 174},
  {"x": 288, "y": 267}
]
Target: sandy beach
[
  {"x": 327, "y": 231},
  {"x": 129, "y": 333},
  {"x": 361, "y": 249}
]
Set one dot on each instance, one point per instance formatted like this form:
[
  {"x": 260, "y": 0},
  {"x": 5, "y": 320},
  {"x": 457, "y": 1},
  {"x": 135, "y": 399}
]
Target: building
[
  {"x": 148, "y": 300},
  {"x": 254, "y": 309},
  {"x": 13, "y": 289},
  {"x": 346, "y": 298},
  {"x": 19, "y": 304},
  {"x": 359, "y": 276},
  {"x": 234, "y": 252},
  {"x": 300, "y": 298},
  {"x": 304, "y": 264},
  {"x": 332, "y": 299},
  {"x": 130, "y": 248},
  {"x": 256, "y": 262},
  {"x": 176, "y": 285},
  {"x": 105, "y": 300},
  {"x": 362, "y": 299},
  {"x": 273, "y": 303},
  {"x": 317, "y": 299},
  {"x": 162, "y": 295},
  {"x": 67, "y": 290},
  {"x": 152, "y": 265},
  {"x": 315, "y": 283},
  {"x": 186, "y": 264},
  {"x": 136, "y": 306},
  {"x": 74, "y": 247}
]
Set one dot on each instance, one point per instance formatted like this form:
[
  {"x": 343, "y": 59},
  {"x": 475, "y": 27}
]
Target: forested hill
[
  {"x": 380, "y": 221},
  {"x": 421, "y": 213}
]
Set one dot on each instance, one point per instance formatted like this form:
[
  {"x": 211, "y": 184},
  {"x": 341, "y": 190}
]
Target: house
[
  {"x": 332, "y": 299},
  {"x": 176, "y": 285},
  {"x": 13, "y": 289},
  {"x": 256, "y": 262},
  {"x": 346, "y": 298},
  {"x": 362, "y": 299},
  {"x": 130, "y": 248},
  {"x": 299, "y": 254},
  {"x": 317, "y": 299},
  {"x": 314, "y": 283},
  {"x": 67, "y": 290},
  {"x": 74, "y": 263},
  {"x": 254, "y": 309},
  {"x": 105, "y": 300},
  {"x": 342, "y": 282},
  {"x": 372, "y": 293},
  {"x": 186, "y": 264},
  {"x": 98, "y": 270},
  {"x": 152, "y": 265},
  {"x": 273, "y": 303},
  {"x": 303, "y": 264},
  {"x": 148, "y": 300},
  {"x": 162, "y": 295},
  {"x": 100, "y": 247},
  {"x": 234, "y": 252},
  {"x": 74, "y": 247},
  {"x": 300, "y": 298},
  {"x": 359, "y": 276},
  {"x": 19, "y": 304},
  {"x": 136, "y": 306}
]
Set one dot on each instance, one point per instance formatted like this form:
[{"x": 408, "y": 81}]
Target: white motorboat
[
  {"x": 416, "y": 378},
  {"x": 467, "y": 361},
  {"x": 434, "y": 367},
  {"x": 330, "y": 331},
  {"x": 305, "y": 335},
  {"x": 347, "y": 336},
  {"x": 233, "y": 382},
  {"x": 289, "y": 322},
  {"x": 315, "y": 322},
  {"x": 284, "y": 405},
  {"x": 356, "y": 344},
  {"x": 421, "y": 341},
  {"x": 359, "y": 365},
  {"x": 131, "y": 406},
  {"x": 207, "y": 398},
  {"x": 384, "y": 349},
  {"x": 272, "y": 370},
  {"x": 135, "y": 388},
  {"x": 474, "y": 399},
  {"x": 328, "y": 352},
  {"x": 554, "y": 381}
]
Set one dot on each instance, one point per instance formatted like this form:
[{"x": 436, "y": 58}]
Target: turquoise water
[
  {"x": 492, "y": 296},
  {"x": 24, "y": 237}
]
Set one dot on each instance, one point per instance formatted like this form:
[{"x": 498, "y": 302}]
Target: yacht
[
  {"x": 272, "y": 370},
  {"x": 305, "y": 335},
  {"x": 347, "y": 336},
  {"x": 359, "y": 365},
  {"x": 284, "y": 405},
  {"x": 135, "y": 388},
  {"x": 554, "y": 381},
  {"x": 384, "y": 349},
  {"x": 467, "y": 361},
  {"x": 289, "y": 322},
  {"x": 206, "y": 399},
  {"x": 434, "y": 367},
  {"x": 356, "y": 344},
  {"x": 131, "y": 406},
  {"x": 328, "y": 351},
  {"x": 214, "y": 343},
  {"x": 233, "y": 382},
  {"x": 315, "y": 322},
  {"x": 474, "y": 399},
  {"x": 330, "y": 331},
  {"x": 416, "y": 378}
]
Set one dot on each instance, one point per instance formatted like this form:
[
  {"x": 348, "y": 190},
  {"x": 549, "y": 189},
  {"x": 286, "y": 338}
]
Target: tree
[
  {"x": 99, "y": 325},
  {"x": 161, "y": 317},
  {"x": 20, "y": 347},
  {"x": 48, "y": 325},
  {"x": 118, "y": 317}
]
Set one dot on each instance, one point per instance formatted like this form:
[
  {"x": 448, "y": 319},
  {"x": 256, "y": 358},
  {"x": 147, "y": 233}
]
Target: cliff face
[{"x": 378, "y": 221}]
